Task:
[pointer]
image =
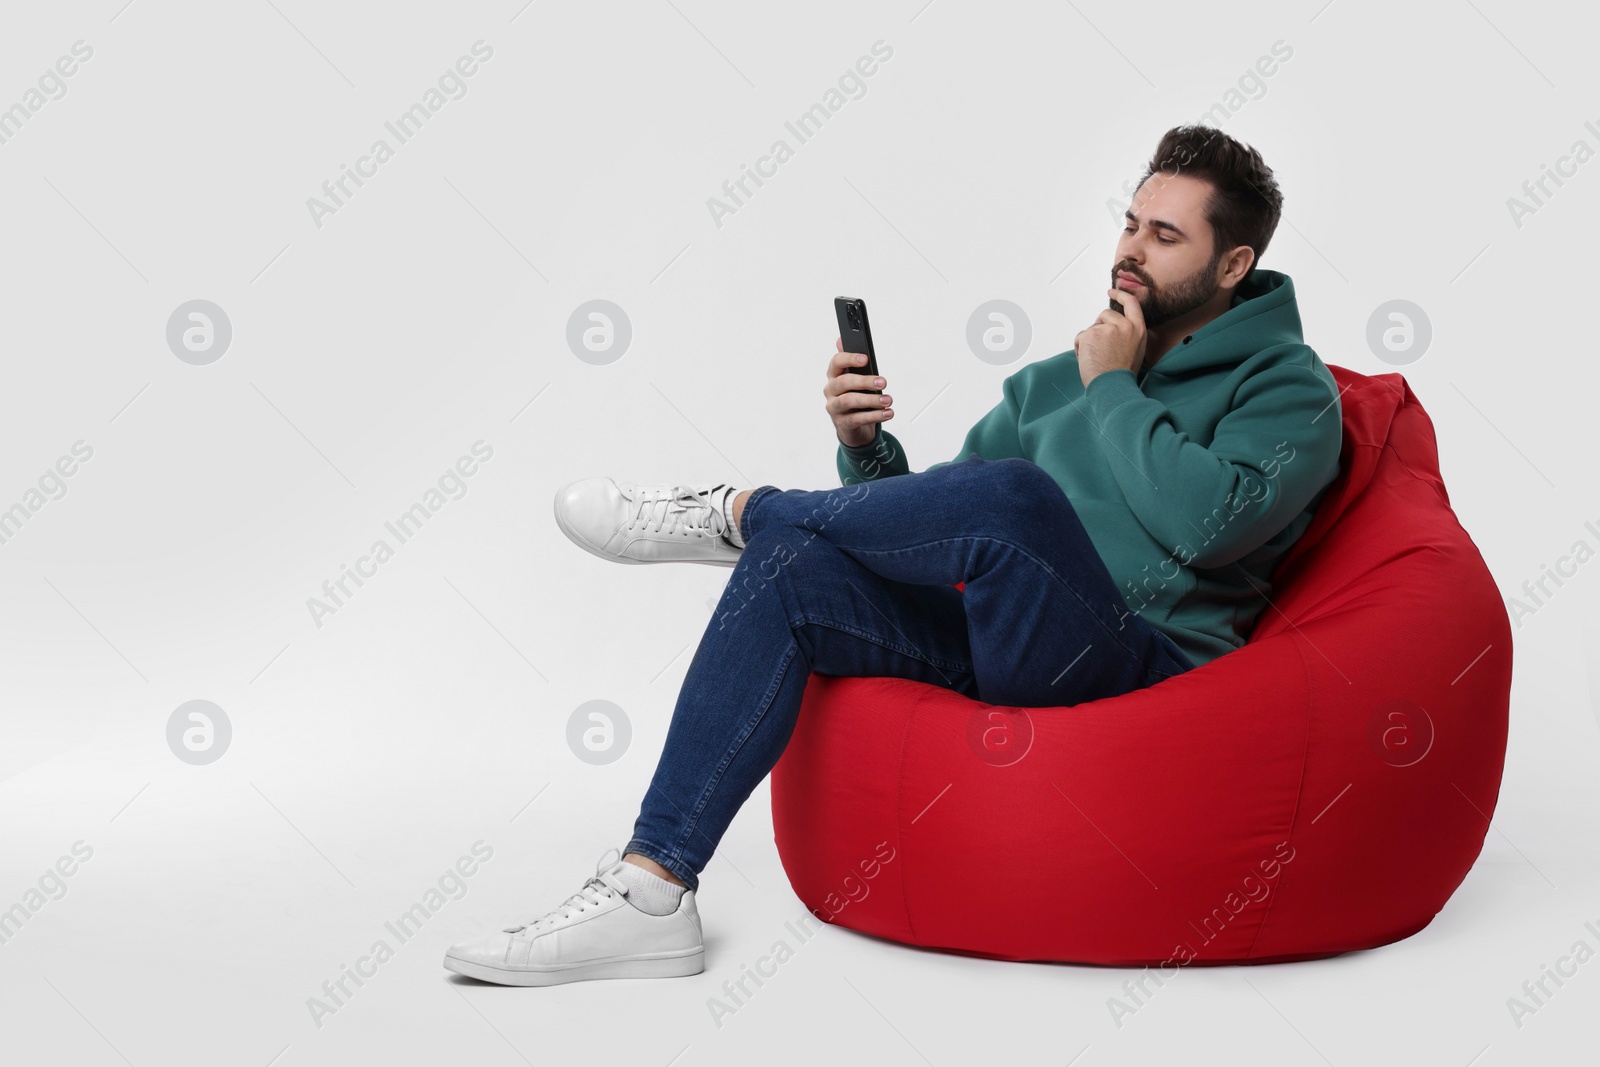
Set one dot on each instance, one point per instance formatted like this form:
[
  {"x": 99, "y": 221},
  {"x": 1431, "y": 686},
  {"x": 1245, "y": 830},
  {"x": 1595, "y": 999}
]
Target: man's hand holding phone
[{"x": 855, "y": 411}]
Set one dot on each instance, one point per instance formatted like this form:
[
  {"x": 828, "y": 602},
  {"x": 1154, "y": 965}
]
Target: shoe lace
[
  {"x": 666, "y": 508},
  {"x": 601, "y": 887}
]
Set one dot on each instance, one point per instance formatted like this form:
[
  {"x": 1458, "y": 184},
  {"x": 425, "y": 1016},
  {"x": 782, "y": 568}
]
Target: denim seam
[
  {"x": 652, "y": 851},
  {"x": 744, "y": 516},
  {"x": 908, "y": 652},
  {"x": 677, "y": 857},
  {"x": 751, "y": 724}
]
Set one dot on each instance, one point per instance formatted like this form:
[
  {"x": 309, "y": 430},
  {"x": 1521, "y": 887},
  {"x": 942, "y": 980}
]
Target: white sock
[
  {"x": 732, "y": 536},
  {"x": 648, "y": 892}
]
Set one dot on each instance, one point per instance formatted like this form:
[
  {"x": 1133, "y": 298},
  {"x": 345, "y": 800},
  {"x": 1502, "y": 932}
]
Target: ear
[{"x": 1235, "y": 266}]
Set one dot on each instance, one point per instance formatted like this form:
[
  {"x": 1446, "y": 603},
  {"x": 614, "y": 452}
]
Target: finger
[
  {"x": 838, "y": 344},
  {"x": 864, "y": 418},
  {"x": 1130, "y": 306},
  {"x": 843, "y": 361},
  {"x": 855, "y": 400},
  {"x": 846, "y": 403},
  {"x": 852, "y": 383}
]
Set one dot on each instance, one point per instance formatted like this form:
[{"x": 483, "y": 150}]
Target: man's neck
[{"x": 1159, "y": 340}]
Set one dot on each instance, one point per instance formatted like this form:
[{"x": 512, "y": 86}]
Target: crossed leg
[{"x": 859, "y": 581}]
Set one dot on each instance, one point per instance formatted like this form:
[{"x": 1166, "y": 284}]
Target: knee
[
  {"x": 773, "y": 553},
  {"x": 809, "y": 515},
  {"x": 1021, "y": 487}
]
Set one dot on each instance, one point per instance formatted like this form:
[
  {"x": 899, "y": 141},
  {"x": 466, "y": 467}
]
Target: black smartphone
[{"x": 856, "y": 333}]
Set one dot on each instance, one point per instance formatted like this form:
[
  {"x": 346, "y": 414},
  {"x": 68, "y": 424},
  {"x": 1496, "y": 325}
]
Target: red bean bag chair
[{"x": 1323, "y": 788}]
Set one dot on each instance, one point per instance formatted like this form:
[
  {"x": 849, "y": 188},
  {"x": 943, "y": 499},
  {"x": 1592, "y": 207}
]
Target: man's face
[{"x": 1166, "y": 245}]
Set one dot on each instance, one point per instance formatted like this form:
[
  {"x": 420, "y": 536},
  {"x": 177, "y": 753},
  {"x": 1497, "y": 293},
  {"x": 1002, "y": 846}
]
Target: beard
[{"x": 1167, "y": 302}]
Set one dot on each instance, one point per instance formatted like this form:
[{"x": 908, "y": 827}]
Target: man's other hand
[{"x": 1116, "y": 340}]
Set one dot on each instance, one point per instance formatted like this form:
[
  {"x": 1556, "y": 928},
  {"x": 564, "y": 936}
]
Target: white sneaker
[
  {"x": 626, "y": 522},
  {"x": 596, "y": 933}
]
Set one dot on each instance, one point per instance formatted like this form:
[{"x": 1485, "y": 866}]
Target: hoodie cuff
[
  {"x": 1110, "y": 390},
  {"x": 862, "y": 452},
  {"x": 879, "y": 458}
]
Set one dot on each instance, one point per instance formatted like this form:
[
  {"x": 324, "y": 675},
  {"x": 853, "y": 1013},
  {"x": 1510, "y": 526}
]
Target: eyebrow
[{"x": 1157, "y": 224}]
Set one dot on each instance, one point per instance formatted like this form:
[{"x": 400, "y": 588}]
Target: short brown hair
[{"x": 1245, "y": 203}]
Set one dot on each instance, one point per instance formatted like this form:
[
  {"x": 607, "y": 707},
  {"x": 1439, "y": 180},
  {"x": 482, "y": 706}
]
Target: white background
[{"x": 430, "y": 312}]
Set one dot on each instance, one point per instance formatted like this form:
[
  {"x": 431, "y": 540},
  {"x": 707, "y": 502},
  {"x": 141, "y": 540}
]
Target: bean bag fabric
[{"x": 1323, "y": 788}]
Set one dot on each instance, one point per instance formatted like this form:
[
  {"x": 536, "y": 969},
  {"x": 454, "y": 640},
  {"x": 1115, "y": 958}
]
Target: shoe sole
[
  {"x": 611, "y": 557},
  {"x": 679, "y": 965}
]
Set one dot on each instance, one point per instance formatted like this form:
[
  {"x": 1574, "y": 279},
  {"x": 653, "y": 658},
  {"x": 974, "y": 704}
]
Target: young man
[{"x": 1115, "y": 519}]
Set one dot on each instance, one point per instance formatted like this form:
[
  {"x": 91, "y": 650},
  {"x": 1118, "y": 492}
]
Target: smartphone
[{"x": 856, "y": 333}]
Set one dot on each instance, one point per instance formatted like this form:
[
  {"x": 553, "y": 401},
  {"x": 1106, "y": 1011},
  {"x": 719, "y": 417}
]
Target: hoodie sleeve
[
  {"x": 1271, "y": 454},
  {"x": 884, "y": 457},
  {"x": 994, "y": 436}
]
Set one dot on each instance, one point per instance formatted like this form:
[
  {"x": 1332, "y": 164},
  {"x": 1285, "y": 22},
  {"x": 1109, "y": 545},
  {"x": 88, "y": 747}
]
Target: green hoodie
[{"x": 1192, "y": 477}]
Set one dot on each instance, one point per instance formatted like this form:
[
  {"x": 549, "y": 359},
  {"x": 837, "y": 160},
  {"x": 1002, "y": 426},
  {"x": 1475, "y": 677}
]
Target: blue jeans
[{"x": 859, "y": 581}]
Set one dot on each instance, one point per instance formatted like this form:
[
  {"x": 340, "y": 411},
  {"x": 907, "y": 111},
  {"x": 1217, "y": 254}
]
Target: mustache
[{"x": 1130, "y": 270}]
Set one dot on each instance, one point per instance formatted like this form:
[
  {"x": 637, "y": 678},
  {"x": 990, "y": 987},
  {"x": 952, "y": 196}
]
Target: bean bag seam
[
  {"x": 1299, "y": 793},
  {"x": 899, "y": 806},
  {"x": 1438, "y": 491},
  {"x": 1292, "y": 560}
]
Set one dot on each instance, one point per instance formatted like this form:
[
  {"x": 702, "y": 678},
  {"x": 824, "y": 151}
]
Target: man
[{"x": 1115, "y": 520}]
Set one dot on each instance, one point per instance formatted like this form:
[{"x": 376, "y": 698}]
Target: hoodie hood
[{"x": 1264, "y": 314}]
